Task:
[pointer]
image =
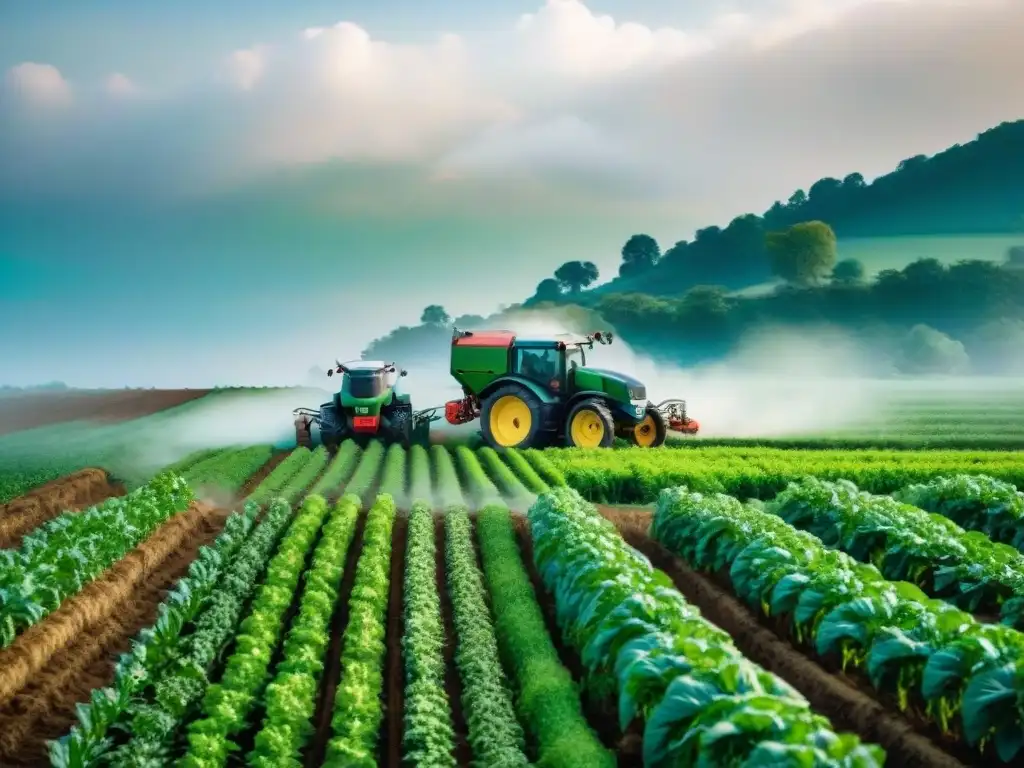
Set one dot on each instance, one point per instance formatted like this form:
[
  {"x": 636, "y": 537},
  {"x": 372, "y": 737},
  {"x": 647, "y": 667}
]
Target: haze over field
[{"x": 236, "y": 207}]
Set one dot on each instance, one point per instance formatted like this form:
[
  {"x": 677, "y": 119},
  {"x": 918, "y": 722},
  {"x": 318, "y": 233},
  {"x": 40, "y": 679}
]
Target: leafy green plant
[
  {"x": 547, "y": 698},
  {"x": 908, "y": 544},
  {"x": 229, "y": 469},
  {"x": 701, "y": 701},
  {"x": 302, "y": 479},
  {"x": 167, "y": 701},
  {"x": 358, "y": 710},
  {"x": 481, "y": 489},
  {"x": 229, "y": 704},
  {"x": 392, "y": 481},
  {"x": 447, "y": 491},
  {"x": 544, "y": 468},
  {"x": 524, "y": 471},
  {"x": 499, "y": 472},
  {"x": 67, "y": 552},
  {"x": 279, "y": 477},
  {"x": 428, "y": 739},
  {"x": 419, "y": 475},
  {"x": 963, "y": 675},
  {"x": 495, "y": 735},
  {"x": 292, "y": 695},
  {"x": 974, "y": 502},
  {"x": 367, "y": 470},
  {"x": 152, "y": 649},
  {"x": 339, "y": 470}
]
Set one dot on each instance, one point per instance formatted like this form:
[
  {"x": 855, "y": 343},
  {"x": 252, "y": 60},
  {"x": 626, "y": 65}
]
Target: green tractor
[
  {"x": 532, "y": 393},
  {"x": 367, "y": 406}
]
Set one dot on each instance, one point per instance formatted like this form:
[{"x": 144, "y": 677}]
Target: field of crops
[{"x": 452, "y": 606}]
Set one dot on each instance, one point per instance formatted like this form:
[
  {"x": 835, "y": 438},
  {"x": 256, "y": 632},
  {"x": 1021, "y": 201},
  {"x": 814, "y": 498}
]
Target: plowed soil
[
  {"x": 25, "y": 410},
  {"x": 109, "y": 613},
  {"x": 830, "y": 693},
  {"x": 76, "y": 491}
]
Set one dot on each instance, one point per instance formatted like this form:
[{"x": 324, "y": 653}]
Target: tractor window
[{"x": 540, "y": 365}]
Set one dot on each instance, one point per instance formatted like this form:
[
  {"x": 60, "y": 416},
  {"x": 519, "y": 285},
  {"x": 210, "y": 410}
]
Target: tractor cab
[{"x": 530, "y": 392}]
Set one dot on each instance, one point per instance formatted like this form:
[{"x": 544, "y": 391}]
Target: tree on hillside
[
  {"x": 574, "y": 276},
  {"x": 435, "y": 314},
  {"x": 639, "y": 254},
  {"x": 926, "y": 350},
  {"x": 1015, "y": 257},
  {"x": 548, "y": 289},
  {"x": 848, "y": 271},
  {"x": 804, "y": 254}
]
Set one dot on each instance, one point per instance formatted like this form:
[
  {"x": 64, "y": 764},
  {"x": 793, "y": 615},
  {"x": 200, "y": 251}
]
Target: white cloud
[
  {"x": 246, "y": 67},
  {"x": 39, "y": 83},
  {"x": 719, "y": 117},
  {"x": 120, "y": 86}
]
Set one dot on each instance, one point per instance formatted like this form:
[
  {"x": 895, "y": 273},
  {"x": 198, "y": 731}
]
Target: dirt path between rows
[
  {"x": 830, "y": 693},
  {"x": 452, "y": 682},
  {"x": 74, "y": 492},
  {"x": 44, "y": 708},
  {"x": 394, "y": 680},
  {"x": 317, "y": 749}
]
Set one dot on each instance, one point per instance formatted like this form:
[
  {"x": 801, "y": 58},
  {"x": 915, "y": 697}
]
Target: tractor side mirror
[
  {"x": 404, "y": 372},
  {"x": 330, "y": 371}
]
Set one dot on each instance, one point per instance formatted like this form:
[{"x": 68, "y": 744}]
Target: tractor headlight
[{"x": 640, "y": 404}]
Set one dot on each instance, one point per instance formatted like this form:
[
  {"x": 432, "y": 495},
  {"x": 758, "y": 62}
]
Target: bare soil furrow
[
  {"x": 394, "y": 681},
  {"x": 79, "y": 490},
  {"x": 314, "y": 757},
  {"x": 45, "y": 708},
  {"x": 92, "y": 607}
]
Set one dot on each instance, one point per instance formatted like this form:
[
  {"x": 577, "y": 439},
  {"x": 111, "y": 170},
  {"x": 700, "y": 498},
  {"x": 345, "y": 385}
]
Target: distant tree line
[{"x": 969, "y": 188}]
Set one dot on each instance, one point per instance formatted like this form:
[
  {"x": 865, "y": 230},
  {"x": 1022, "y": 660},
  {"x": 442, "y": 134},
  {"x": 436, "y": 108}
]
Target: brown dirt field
[
  {"x": 76, "y": 491},
  {"x": 394, "y": 676},
  {"x": 92, "y": 607},
  {"x": 314, "y": 756},
  {"x": 45, "y": 708},
  {"x": 602, "y": 716},
  {"x": 829, "y": 692},
  {"x": 36, "y": 409},
  {"x": 452, "y": 683}
]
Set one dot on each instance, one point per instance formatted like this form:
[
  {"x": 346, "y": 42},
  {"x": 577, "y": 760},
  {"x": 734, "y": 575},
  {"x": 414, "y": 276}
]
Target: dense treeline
[{"x": 972, "y": 188}]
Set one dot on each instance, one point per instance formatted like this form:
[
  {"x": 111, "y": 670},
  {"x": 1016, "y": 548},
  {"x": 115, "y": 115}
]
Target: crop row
[
  {"x": 636, "y": 475},
  {"x": 925, "y": 654},
  {"x": 167, "y": 702},
  {"x": 228, "y": 469},
  {"x": 358, "y": 712},
  {"x": 154, "y": 647},
  {"x": 908, "y": 544},
  {"x": 701, "y": 701},
  {"x": 67, "y": 552},
  {"x": 228, "y": 705}
]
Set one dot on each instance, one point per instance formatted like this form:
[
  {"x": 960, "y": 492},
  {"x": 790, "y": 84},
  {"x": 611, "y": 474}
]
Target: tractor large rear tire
[
  {"x": 589, "y": 425},
  {"x": 652, "y": 431},
  {"x": 512, "y": 417}
]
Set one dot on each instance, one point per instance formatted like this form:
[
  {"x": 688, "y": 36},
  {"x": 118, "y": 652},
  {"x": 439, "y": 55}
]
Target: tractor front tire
[
  {"x": 589, "y": 425},
  {"x": 652, "y": 431},
  {"x": 511, "y": 417},
  {"x": 399, "y": 430}
]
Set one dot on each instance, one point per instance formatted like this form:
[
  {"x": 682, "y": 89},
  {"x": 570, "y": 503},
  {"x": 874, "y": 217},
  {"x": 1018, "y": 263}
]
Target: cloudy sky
[{"x": 199, "y": 192}]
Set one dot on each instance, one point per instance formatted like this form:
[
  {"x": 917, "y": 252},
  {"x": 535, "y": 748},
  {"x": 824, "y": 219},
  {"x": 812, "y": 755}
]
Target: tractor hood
[{"x": 616, "y": 385}]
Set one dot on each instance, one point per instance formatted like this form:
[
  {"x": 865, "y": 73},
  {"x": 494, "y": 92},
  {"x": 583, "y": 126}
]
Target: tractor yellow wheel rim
[
  {"x": 646, "y": 432},
  {"x": 510, "y": 421},
  {"x": 587, "y": 429}
]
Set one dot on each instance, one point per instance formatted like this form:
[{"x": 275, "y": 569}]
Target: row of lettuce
[{"x": 175, "y": 690}]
